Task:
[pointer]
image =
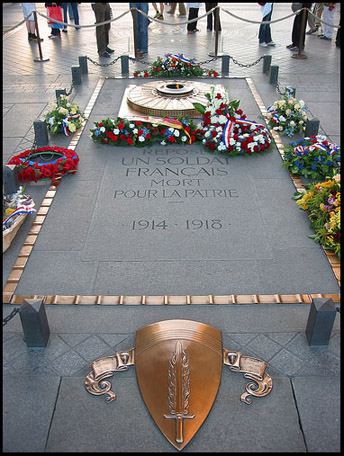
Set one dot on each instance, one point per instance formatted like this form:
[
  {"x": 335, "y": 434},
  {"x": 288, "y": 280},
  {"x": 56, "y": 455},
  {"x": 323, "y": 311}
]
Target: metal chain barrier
[
  {"x": 242, "y": 65},
  {"x": 10, "y": 316},
  {"x": 104, "y": 64}
]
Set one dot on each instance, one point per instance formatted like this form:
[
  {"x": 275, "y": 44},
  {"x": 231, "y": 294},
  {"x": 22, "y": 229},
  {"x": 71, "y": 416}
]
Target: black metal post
[
  {"x": 83, "y": 64},
  {"x": 320, "y": 321},
  {"x": 35, "y": 323},
  {"x": 266, "y": 63},
  {"x": 312, "y": 127},
  {"x": 10, "y": 179},
  {"x": 76, "y": 75},
  {"x": 41, "y": 133}
]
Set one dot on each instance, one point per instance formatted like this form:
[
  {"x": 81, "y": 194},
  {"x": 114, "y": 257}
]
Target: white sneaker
[
  {"x": 271, "y": 43},
  {"x": 264, "y": 45}
]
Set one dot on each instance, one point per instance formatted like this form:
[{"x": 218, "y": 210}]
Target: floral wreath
[
  {"x": 47, "y": 167},
  {"x": 65, "y": 117},
  {"x": 313, "y": 157},
  {"x": 322, "y": 202},
  {"x": 287, "y": 116},
  {"x": 224, "y": 128},
  {"x": 175, "y": 65}
]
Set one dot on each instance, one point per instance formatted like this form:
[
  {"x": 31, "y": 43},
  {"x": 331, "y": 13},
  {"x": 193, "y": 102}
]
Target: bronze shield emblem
[{"x": 178, "y": 369}]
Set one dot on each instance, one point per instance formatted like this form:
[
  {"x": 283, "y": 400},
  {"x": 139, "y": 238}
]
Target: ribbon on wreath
[
  {"x": 166, "y": 121},
  {"x": 227, "y": 131},
  {"x": 181, "y": 58}
]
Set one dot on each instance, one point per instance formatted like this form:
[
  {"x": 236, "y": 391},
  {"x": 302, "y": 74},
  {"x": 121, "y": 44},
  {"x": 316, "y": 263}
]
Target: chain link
[
  {"x": 70, "y": 90},
  {"x": 242, "y": 65},
  {"x": 10, "y": 316},
  {"x": 103, "y": 64}
]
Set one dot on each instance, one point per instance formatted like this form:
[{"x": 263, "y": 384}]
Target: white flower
[
  {"x": 207, "y": 134},
  {"x": 141, "y": 138},
  {"x": 282, "y": 119},
  {"x": 163, "y": 143},
  {"x": 116, "y": 131},
  {"x": 176, "y": 133},
  {"x": 184, "y": 138},
  {"x": 301, "y": 122},
  {"x": 232, "y": 141},
  {"x": 297, "y": 106},
  {"x": 291, "y": 101},
  {"x": 288, "y": 112},
  {"x": 102, "y": 129},
  {"x": 279, "y": 128},
  {"x": 302, "y": 103},
  {"x": 292, "y": 123},
  {"x": 222, "y": 119},
  {"x": 131, "y": 125},
  {"x": 63, "y": 111},
  {"x": 51, "y": 121},
  {"x": 135, "y": 131}
]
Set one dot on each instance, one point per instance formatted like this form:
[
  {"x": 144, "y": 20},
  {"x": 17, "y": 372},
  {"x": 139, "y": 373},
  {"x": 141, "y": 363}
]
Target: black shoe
[
  {"x": 65, "y": 30},
  {"x": 109, "y": 50},
  {"x": 105, "y": 54}
]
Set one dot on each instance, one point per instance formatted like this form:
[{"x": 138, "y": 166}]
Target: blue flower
[
  {"x": 297, "y": 163},
  {"x": 338, "y": 158},
  {"x": 330, "y": 162},
  {"x": 316, "y": 159},
  {"x": 314, "y": 167},
  {"x": 96, "y": 132},
  {"x": 301, "y": 166},
  {"x": 306, "y": 152}
]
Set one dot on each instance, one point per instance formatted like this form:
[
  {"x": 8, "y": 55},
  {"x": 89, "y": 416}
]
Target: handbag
[{"x": 54, "y": 12}]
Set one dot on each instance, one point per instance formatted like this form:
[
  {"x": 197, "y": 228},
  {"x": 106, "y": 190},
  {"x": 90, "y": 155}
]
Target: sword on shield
[{"x": 179, "y": 390}]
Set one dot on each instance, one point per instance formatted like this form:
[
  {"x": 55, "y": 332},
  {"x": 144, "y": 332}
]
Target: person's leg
[
  {"x": 193, "y": 14},
  {"x": 74, "y": 7},
  {"x": 107, "y": 26},
  {"x": 182, "y": 9},
  {"x": 215, "y": 13},
  {"x": 65, "y": 17},
  {"x": 172, "y": 8},
  {"x": 99, "y": 12},
  {"x": 319, "y": 11},
  {"x": 71, "y": 10},
  {"x": 209, "y": 17}
]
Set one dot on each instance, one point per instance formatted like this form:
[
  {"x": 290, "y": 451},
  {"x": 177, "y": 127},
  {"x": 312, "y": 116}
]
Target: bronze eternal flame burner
[
  {"x": 178, "y": 367},
  {"x": 161, "y": 99}
]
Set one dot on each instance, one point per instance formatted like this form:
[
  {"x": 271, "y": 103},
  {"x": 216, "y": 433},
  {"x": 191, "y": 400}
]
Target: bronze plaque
[{"x": 178, "y": 369}]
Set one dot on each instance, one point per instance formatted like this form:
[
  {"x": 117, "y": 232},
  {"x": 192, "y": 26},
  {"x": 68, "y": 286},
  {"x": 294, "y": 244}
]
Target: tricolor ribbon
[
  {"x": 65, "y": 127},
  {"x": 18, "y": 211},
  {"x": 227, "y": 131},
  {"x": 181, "y": 58}
]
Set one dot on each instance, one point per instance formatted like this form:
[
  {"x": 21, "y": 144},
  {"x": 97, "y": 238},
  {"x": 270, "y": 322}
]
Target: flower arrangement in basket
[
  {"x": 175, "y": 65},
  {"x": 322, "y": 202},
  {"x": 64, "y": 117},
  {"x": 313, "y": 157},
  {"x": 15, "y": 207},
  {"x": 287, "y": 116},
  {"x": 225, "y": 128},
  {"x": 144, "y": 131},
  {"x": 45, "y": 163}
]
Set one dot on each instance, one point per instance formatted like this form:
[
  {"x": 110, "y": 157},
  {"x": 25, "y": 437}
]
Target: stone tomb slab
[{"x": 176, "y": 220}]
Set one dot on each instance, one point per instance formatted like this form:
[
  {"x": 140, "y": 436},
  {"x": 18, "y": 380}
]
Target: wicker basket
[{"x": 9, "y": 234}]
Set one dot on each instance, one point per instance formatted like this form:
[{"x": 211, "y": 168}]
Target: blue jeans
[
  {"x": 141, "y": 26},
  {"x": 265, "y": 30},
  {"x": 74, "y": 6}
]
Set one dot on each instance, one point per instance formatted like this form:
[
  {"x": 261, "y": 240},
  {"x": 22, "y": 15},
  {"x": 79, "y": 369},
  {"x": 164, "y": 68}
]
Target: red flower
[
  {"x": 216, "y": 74},
  {"x": 138, "y": 123},
  {"x": 130, "y": 141},
  {"x": 139, "y": 133},
  {"x": 148, "y": 136},
  {"x": 214, "y": 133},
  {"x": 145, "y": 74},
  {"x": 100, "y": 124},
  {"x": 193, "y": 138},
  {"x": 123, "y": 137},
  {"x": 171, "y": 139}
]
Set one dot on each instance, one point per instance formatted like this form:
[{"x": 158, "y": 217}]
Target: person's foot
[
  {"x": 294, "y": 48},
  {"x": 77, "y": 27},
  {"x": 209, "y": 30},
  {"x": 311, "y": 31},
  {"x": 65, "y": 30},
  {"x": 105, "y": 54},
  {"x": 271, "y": 43},
  {"x": 161, "y": 17},
  {"x": 170, "y": 12},
  {"x": 109, "y": 50},
  {"x": 53, "y": 36},
  {"x": 323, "y": 37},
  {"x": 264, "y": 45},
  {"x": 35, "y": 38},
  {"x": 157, "y": 14},
  {"x": 290, "y": 46}
]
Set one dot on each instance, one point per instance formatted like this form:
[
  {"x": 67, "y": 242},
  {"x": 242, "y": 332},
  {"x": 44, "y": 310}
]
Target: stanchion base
[
  {"x": 299, "y": 56},
  {"x": 41, "y": 60}
]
